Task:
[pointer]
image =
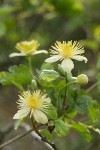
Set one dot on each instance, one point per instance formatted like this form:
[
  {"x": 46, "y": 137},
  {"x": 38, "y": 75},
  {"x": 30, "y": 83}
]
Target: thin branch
[
  {"x": 16, "y": 138},
  {"x": 51, "y": 145},
  {"x": 92, "y": 87},
  {"x": 28, "y": 129},
  {"x": 6, "y": 130}
]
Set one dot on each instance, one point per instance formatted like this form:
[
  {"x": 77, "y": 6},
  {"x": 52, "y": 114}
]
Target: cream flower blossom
[
  {"x": 27, "y": 48},
  {"x": 35, "y": 104},
  {"x": 66, "y": 52}
]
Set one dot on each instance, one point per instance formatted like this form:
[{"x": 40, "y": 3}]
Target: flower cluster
[{"x": 36, "y": 104}]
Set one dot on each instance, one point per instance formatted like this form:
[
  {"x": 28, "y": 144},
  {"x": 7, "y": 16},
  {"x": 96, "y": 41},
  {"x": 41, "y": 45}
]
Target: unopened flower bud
[
  {"x": 82, "y": 79},
  {"x": 34, "y": 83}
]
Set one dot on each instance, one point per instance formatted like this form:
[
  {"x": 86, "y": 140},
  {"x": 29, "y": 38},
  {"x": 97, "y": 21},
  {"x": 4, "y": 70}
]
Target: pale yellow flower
[
  {"x": 35, "y": 104},
  {"x": 27, "y": 48},
  {"x": 66, "y": 52}
]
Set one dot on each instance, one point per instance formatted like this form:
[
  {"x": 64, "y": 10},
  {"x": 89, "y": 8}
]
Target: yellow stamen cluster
[
  {"x": 27, "y": 46},
  {"x": 34, "y": 101},
  {"x": 69, "y": 49}
]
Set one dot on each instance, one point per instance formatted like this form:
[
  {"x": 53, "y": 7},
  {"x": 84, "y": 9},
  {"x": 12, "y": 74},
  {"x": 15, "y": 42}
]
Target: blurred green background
[{"x": 48, "y": 21}]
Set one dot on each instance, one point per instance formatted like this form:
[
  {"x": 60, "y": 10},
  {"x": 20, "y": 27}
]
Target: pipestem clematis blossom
[
  {"x": 35, "y": 104},
  {"x": 27, "y": 48},
  {"x": 65, "y": 52}
]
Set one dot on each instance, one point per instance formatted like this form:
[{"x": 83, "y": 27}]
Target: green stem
[
  {"x": 61, "y": 91},
  {"x": 69, "y": 75},
  {"x": 42, "y": 138},
  {"x": 18, "y": 86},
  {"x": 65, "y": 89},
  {"x": 65, "y": 86},
  {"x": 30, "y": 65}
]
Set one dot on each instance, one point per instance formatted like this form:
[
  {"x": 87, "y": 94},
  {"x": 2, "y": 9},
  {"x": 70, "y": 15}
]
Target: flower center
[
  {"x": 67, "y": 49},
  {"x": 27, "y": 46},
  {"x": 34, "y": 102}
]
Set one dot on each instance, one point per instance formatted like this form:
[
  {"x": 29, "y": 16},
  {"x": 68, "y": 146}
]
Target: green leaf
[
  {"x": 83, "y": 102},
  {"x": 17, "y": 74},
  {"x": 94, "y": 112},
  {"x": 82, "y": 129},
  {"x": 61, "y": 127},
  {"x": 46, "y": 85},
  {"x": 47, "y": 66},
  {"x": 61, "y": 84},
  {"x": 51, "y": 113},
  {"x": 70, "y": 114},
  {"x": 45, "y": 133},
  {"x": 49, "y": 75}
]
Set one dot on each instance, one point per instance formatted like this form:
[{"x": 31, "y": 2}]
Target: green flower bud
[
  {"x": 34, "y": 83},
  {"x": 82, "y": 79}
]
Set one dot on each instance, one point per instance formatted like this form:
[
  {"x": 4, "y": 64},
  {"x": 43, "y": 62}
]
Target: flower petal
[
  {"x": 80, "y": 58},
  {"x": 39, "y": 52},
  {"x": 21, "y": 113},
  {"x": 40, "y": 117},
  {"x": 47, "y": 100},
  {"x": 53, "y": 58},
  {"x": 67, "y": 65},
  {"x": 16, "y": 54}
]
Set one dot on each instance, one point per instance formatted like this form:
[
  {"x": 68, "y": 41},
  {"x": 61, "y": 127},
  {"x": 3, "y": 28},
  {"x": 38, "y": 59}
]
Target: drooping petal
[
  {"x": 44, "y": 96},
  {"x": 31, "y": 113},
  {"x": 40, "y": 117},
  {"x": 39, "y": 52},
  {"x": 54, "y": 52},
  {"x": 80, "y": 58},
  {"x": 47, "y": 100},
  {"x": 78, "y": 52},
  {"x": 16, "y": 54},
  {"x": 67, "y": 65},
  {"x": 21, "y": 113},
  {"x": 53, "y": 58}
]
